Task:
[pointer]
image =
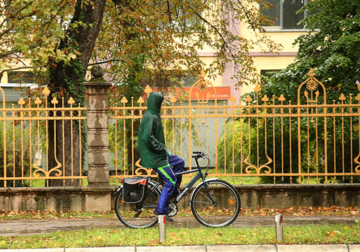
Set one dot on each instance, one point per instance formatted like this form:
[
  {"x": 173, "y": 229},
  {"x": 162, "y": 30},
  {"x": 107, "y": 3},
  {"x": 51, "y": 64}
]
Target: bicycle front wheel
[
  {"x": 135, "y": 215},
  {"x": 227, "y": 206}
]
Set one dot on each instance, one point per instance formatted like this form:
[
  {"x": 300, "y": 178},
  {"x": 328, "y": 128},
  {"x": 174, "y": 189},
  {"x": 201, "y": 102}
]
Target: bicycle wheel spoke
[
  {"x": 221, "y": 214},
  {"x": 203, "y": 202},
  {"x": 206, "y": 196}
]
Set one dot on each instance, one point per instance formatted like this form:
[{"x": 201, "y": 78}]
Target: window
[
  {"x": 20, "y": 77},
  {"x": 283, "y": 14},
  {"x": 27, "y": 77}
]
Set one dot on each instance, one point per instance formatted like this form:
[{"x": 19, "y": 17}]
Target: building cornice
[
  {"x": 254, "y": 54},
  {"x": 279, "y": 54}
]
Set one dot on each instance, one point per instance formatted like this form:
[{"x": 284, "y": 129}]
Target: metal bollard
[
  {"x": 162, "y": 228},
  {"x": 279, "y": 227}
]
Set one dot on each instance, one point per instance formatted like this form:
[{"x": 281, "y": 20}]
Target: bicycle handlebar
[{"x": 198, "y": 154}]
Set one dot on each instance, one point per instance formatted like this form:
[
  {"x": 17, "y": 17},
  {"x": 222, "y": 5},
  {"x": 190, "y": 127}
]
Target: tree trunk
[{"x": 68, "y": 79}]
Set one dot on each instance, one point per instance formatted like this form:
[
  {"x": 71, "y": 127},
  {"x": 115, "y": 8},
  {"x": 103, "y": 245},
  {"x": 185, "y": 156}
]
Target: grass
[
  {"x": 311, "y": 234},
  {"x": 186, "y": 179},
  {"x": 250, "y": 180}
]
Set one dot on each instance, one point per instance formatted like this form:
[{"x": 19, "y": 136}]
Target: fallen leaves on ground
[
  {"x": 66, "y": 214},
  {"x": 294, "y": 211},
  {"x": 302, "y": 211}
]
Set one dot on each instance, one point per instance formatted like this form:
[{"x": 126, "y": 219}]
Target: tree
[
  {"x": 157, "y": 43},
  {"x": 331, "y": 47},
  {"x": 169, "y": 34},
  {"x": 140, "y": 38},
  {"x": 29, "y": 29}
]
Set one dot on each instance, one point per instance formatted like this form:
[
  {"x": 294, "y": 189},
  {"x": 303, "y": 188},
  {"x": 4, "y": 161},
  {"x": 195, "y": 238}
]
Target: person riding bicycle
[{"x": 154, "y": 155}]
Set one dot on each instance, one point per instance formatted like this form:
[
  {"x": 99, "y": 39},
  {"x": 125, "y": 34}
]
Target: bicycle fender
[
  {"x": 192, "y": 195},
  {"x": 118, "y": 190}
]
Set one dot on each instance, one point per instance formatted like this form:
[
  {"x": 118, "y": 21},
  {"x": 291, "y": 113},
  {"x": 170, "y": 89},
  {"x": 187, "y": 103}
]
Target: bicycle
[{"x": 214, "y": 202}]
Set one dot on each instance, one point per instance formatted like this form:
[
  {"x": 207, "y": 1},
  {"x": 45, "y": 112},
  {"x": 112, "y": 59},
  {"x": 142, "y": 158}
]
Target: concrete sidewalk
[
  {"x": 32, "y": 226},
  {"x": 213, "y": 248}
]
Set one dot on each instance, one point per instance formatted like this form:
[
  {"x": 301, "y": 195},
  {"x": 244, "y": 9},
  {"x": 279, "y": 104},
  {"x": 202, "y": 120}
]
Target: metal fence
[
  {"x": 268, "y": 138},
  {"x": 25, "y": 140},
  {"x": 261, "y": 138}
]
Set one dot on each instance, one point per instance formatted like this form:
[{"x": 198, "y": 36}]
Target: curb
[{"x": 212, "y": 248}]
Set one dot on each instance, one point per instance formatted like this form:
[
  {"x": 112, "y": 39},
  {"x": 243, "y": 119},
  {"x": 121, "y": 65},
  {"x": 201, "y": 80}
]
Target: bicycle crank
[{"x": 173, "y": 210}]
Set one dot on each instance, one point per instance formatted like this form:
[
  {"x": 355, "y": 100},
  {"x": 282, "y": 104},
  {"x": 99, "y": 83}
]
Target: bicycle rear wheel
[
  {"x": 226, "y": 210},
  {"x": 135, "y": 215}
]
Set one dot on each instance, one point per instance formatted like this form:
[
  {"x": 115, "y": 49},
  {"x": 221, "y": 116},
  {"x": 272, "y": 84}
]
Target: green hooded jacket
[{"x": 151, "y": 139}]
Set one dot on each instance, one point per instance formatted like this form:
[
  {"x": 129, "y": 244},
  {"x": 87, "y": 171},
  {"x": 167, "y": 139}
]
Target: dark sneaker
[{"x": 156, "y": 213}]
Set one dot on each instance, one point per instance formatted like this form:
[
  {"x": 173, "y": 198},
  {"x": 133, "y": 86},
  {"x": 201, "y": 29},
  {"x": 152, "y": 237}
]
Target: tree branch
[
  {"x": 21, "y": 17},
  {"x": 16, "y": 50},
  {"x": 217, "y": 31},
  {"x": 16, "y": 68},
  {"x": 246, "y": 12},
  {"x": 102, "y": 62}
]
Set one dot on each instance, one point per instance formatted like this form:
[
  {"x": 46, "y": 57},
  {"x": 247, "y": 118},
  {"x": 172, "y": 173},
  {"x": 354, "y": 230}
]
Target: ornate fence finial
[
  {"x": 265, "y": 98},
  {"x": 38, "y": 101},
  {"x": 46, "y": 91},
  {"x": 311, "y": 74},
  {"x": 21, "y": 101},
  {"x": 173, "y": 99},
  {"x": 71, "y": 101},
  {"x": 282, "y": 98},
  {"x": 342, "y": 97},
  {"x": 54, "y": 100},
  {"x": 248, "y": 98},
  {"x": 201, "y": 83},
  {"x": 148, "y": 89},
  {"x": 140, "y": 100},
  {"x": 124, "y": 100}
]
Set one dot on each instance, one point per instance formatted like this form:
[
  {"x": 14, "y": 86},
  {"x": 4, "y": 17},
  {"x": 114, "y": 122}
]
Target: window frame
[{"x": 271, "y": 28}]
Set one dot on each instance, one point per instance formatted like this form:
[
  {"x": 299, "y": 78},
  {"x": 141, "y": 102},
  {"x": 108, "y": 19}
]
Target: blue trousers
[{"x": 171, "y": 182}]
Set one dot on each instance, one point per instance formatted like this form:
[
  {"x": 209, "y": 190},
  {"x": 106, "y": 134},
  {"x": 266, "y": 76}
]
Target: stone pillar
[{"x": 97, "y": 124}]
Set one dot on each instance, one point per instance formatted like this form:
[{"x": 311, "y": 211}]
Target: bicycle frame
[{"x": 199, "y": 175}]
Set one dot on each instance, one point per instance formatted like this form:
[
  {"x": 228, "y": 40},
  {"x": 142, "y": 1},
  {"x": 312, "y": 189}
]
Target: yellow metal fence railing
[
  {"x": 267, "y": 138},
  {"x": 259, "y": 139},
  {"x": 29, "y": 151}
]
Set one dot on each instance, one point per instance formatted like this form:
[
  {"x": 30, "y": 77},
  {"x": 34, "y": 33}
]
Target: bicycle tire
[
  {"x": 127, "y": 215},
  {"x": 228, "y": 204}
]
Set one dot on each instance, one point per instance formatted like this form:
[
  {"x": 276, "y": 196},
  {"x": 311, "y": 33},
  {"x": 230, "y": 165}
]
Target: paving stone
[
  {"x": 34, "y": 250},
  {"x": 172, "y": 249},
  {"x": 242, "y": 248},
  {"x": 107, "y": 249},
  {"x": 354, "y": 248},
  {"x": 317, "y": 248}
]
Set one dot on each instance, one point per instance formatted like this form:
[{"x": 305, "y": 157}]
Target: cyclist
[{"x": 153, "y": 153}]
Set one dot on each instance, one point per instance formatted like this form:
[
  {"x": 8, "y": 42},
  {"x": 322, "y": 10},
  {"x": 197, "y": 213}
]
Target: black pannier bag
[{"x": 134, "y": 189}]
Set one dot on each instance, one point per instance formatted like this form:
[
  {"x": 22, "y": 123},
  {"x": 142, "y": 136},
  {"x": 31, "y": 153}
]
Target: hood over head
[{"x": 154, "y": 102}]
